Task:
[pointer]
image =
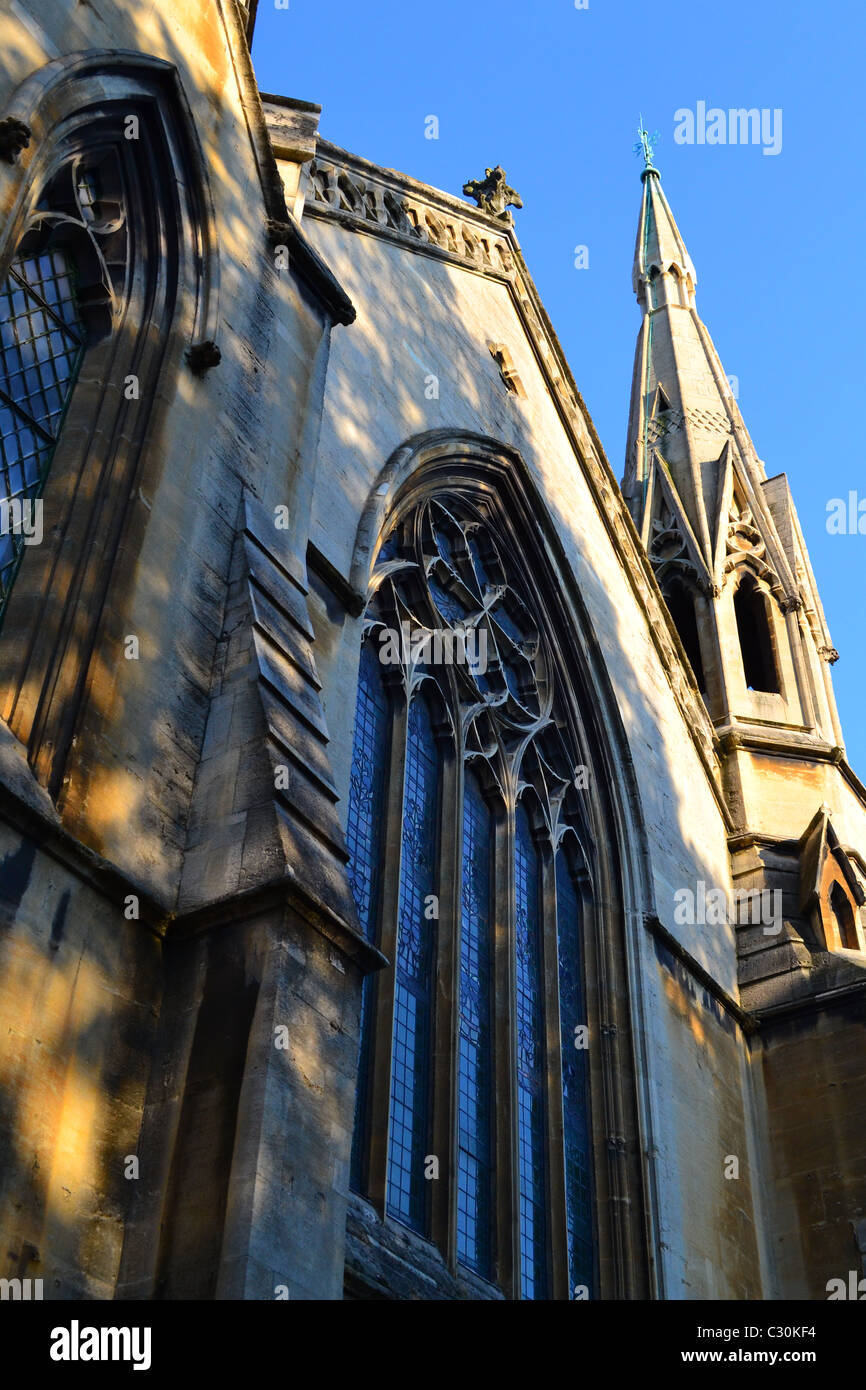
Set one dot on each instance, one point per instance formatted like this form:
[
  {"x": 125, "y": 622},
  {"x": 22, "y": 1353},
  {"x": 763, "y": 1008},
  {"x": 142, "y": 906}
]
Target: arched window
[
  {"x": 54, "y": 302},
  {"x": 473, "y": 1112},
  {"x": 844, "y": 914},
  {"x": 103, "y": 278},
  {"x": 681, "y": 605},
  {"x": 756, "y": 637}
]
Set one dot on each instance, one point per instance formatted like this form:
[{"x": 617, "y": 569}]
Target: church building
[{"x": 430, "y": 867}]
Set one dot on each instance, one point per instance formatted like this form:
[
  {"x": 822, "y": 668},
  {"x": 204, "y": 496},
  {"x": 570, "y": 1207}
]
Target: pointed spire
[
  {"x": 710, "y": 519},
  {"x": 659, "y": 246},
  {"x": 683, "y": 415}
]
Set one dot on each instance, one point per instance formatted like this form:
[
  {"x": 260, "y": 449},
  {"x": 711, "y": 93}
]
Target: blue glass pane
[
  {"x": 41, "y": 345},
  {"x": 449, "y": 605},
  {"x": 364, "y": 825},
  {"x": 411, "y": 1050},
  {"x": 575, "y": 1080},
  {"x": 530, "y": 1063},
  {"x": 367, "y": 788},
  {"x": 478, "y": 563},
  {"x": 475, "y": 1060}
]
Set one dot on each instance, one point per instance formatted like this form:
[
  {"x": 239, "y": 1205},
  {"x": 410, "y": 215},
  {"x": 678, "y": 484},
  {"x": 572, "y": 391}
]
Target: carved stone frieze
[{"x": 347, "y": 191}]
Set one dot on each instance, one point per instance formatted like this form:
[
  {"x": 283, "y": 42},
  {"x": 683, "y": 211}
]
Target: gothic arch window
[
  {"x": 55, "y": 300},
  {"x": 471, "y": 857},
  {"x": 843, "y": 912},
  {"x": 757, "y": 643},
  {"x": 110, "y": 216},
  {"x": 680, "y": 599}
]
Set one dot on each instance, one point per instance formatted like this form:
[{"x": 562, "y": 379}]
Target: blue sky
[{"x": 553, "y": 93}]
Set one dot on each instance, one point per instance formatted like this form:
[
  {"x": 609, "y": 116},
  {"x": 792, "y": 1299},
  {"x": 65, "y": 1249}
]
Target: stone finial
[
  {"x": 14, "y": 137},
  {"x": 493, "y": 194}
]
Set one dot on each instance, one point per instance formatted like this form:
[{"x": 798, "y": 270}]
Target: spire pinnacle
[
  {"x": 645, "y": 145},
  {"x": 659, "y": 248}
]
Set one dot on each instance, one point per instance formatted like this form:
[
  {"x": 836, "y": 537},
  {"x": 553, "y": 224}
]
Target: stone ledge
[
  {"x": 28, "y": 809},
  {"x": 385, "y": 1260},
  {"x": 288, "y": 892}
]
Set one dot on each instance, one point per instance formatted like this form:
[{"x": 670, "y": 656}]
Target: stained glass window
[
  {"x": 475, "y": 1059},
  {"x": 575, "y": 1108},
  {"x": 409, "y": 1127},
  {"x": 530, "y": 1062},
  {"x": 444, "y": 567},
  {"x": 367, "y": 788},
  {"x": 364, "y": 840},
  {"x": 41, "y": 346}
]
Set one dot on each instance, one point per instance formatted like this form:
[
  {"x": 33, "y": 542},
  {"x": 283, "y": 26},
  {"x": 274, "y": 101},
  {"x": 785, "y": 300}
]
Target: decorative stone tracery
[{"x": 442, "y": 571}]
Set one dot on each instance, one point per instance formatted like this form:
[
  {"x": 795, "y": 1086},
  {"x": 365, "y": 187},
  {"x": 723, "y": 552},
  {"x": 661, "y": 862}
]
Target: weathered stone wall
[
  {"x": 812, "y": 1060},
  {"x": 80, "y": 991},
  {"x": 87, "y": 1056}
]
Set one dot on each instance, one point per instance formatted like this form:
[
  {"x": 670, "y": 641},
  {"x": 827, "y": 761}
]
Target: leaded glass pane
[
  {"x": 530, "y": 1063},
  {"x": 364, "y": 825},
  {"x": 474, "y": 1075},
  {"x": 411, "y": 1050},
  {"x": 575, "y": 1099},
  {"x": 367, "y": 788},
  {"x": 41, "y": 346}
]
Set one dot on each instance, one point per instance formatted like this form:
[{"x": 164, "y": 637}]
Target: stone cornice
[
  {"x": 368, "y": 199},
  {"x": 27, "y": 811},
  {"x": 283, "y": 892},
  {"x": 813, "y": 1003},
  {"x": 656, "y": 928},
  {"x": 781, "y": 743}
]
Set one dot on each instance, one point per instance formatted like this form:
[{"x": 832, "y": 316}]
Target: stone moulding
[
  {"x": 365, "y": 198},
  {"x": 310, "y": 265}
]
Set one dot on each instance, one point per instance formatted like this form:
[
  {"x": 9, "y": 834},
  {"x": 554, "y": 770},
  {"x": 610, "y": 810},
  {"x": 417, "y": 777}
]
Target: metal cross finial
[{"x": 646, "y": 144}]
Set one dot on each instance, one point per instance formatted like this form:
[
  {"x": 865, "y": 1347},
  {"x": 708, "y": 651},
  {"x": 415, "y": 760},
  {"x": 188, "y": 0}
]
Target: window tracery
[{"x": 480, "y": 1019}]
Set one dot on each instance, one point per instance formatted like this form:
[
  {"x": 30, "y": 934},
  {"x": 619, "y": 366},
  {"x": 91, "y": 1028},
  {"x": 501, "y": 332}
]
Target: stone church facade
[{"x": 428, "y": 868}]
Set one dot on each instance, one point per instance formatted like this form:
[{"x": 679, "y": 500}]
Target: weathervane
[{"x": 646, "y": 144}]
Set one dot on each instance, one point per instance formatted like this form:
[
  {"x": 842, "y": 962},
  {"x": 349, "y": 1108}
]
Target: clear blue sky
[{"x": 553, "y": 94}]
